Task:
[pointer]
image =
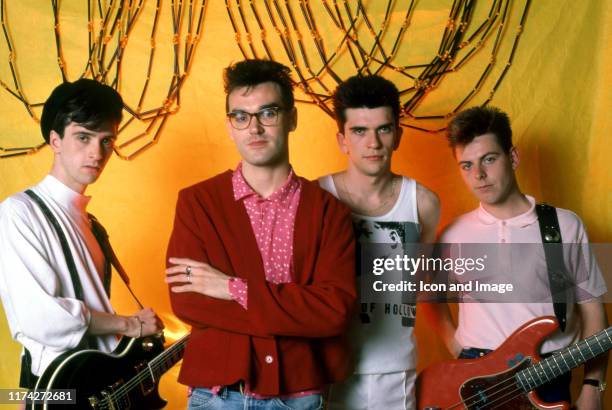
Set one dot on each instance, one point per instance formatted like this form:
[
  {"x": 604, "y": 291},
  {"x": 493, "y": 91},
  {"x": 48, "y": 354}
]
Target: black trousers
[{"x": 26, "y": 379}]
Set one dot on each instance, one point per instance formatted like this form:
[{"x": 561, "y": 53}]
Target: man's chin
[
  {"x": 89, "y": 179},
  {"x": 491, "y": 200},
  {"x": 264, "y": 161},
  {"x": 372, "y": 171}
]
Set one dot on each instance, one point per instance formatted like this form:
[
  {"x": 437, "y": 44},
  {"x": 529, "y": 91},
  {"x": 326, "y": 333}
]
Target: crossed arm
[{"x": 321, "y": 307}]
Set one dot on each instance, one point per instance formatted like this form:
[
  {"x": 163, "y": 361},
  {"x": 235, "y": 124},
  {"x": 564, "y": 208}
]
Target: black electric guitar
[{"x": 128, "y": 378}]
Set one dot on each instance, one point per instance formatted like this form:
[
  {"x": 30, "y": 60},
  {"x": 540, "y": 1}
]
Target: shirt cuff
[{"x": 238, "y": 290}]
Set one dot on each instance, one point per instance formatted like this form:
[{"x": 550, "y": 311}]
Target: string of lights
[
  {"x": 370, "y": 43},
  {"x": 323, "y": 41},
  {"x": 110, "y": 25}
]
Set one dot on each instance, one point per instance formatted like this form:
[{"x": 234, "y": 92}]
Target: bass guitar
[
  {"x": 127, "y": 378},
  {"x": 506, "y": 378}
]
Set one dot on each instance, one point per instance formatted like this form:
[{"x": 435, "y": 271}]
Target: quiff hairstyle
[
  {"x": 370, "y": 91},
  {"x": 252, "y": 72},
  {"x": 477, "y": 121}
]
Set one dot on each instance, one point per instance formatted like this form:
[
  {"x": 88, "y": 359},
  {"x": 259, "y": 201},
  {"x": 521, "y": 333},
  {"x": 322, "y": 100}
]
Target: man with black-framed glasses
[{"x": 261, "y": 263}]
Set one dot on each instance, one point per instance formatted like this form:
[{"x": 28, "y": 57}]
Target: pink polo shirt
[{"x": 487, "y": 325}]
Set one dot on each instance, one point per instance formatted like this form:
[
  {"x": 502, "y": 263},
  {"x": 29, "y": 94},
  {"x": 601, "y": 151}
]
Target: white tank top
[{"x": 383, "y": 333}]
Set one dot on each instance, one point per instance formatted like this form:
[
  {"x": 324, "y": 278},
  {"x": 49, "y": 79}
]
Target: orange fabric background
[{"x": 557, "y": 93}]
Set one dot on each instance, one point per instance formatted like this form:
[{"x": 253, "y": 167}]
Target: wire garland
[
  {"x": 364, "y": 44},
  {"x": 109, "y": 25},
  {"x": 371, "y": 48}
]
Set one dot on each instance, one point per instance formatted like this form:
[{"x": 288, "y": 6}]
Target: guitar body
[
  {"x": 461, "y": 384},
  {"x": 94, "y": 375}
]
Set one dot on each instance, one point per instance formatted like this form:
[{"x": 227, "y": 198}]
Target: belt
[{"x": 237, "y": 387}]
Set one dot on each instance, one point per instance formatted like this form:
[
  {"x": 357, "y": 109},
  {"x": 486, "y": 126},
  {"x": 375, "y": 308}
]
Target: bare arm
[
  {"x": 439, "y": 318},
  {"x": 428, "y": 206},
  {"x": 594, "y": 319},
  {"x": 437, "y": 315},
  {"x": 142, "y": 323}
]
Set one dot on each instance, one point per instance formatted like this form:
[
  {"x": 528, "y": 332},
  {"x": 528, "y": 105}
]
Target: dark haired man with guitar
[
  {"x": 481, "y": 140},
  {"x": 54, "y": 271}
]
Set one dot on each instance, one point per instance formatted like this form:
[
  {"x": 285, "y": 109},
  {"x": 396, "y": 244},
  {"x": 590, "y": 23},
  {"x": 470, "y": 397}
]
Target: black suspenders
[{"x": 74, "y": 275}]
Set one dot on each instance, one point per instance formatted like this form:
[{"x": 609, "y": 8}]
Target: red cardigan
[{"x": 291, "y": 338}]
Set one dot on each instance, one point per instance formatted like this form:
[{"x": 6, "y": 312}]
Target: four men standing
[{"x": 261, "y": 262}]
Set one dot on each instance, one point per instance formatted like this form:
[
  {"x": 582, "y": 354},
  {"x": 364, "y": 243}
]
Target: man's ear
[
  {"x": 293, "y": 117},
  {"x": 341, "y": 139},
  {"x": 514, "y": 157},
  {"x": 229, "y": 127},
  {"x": 398, "y": 136},
  {"x": 55, "y": 142}
]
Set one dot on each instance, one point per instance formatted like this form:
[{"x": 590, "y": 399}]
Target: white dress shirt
[{"x": 37, "y": 293}]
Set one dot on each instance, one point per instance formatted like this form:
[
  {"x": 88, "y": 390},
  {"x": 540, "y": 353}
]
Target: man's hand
[
  {"x": 590, "y": 398},
  {"x": 200, "y": 277},
  {"x": 141, "y": 323},
  {"x": 145, "y": 323}
]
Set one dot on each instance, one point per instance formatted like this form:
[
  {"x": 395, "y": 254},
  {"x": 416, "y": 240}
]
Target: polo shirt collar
[{"x": 527, "y": 218}]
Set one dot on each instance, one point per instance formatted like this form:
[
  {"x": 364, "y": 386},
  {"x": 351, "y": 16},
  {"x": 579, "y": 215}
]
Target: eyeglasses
[{"x": 268, "y": 117}]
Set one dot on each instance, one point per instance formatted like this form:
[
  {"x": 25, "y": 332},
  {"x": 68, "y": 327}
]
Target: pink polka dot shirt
[{"x": 273, "y": 221}]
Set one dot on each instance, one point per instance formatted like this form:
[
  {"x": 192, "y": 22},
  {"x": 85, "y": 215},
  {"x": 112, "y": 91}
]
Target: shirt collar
[
  {"x": 64, "y": 195},
  {"x": 525, "y": 219},
  {"x": 243, "y": 190}
]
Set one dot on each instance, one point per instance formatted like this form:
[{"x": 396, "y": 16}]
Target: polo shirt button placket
[
  {"x": 505, "y": 254},
  {"x": 504, "y": 232}
]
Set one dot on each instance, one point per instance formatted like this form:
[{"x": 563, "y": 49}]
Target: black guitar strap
[
  {"x": 553, "y": 251},
  {"x": 111, "y": 257},
  {"x": 102, "y": 239}
]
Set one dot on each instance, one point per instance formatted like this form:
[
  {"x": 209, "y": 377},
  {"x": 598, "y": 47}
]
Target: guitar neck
[
  {"x": 565, "y": 360},
  {"x": 164, "y": 361}
]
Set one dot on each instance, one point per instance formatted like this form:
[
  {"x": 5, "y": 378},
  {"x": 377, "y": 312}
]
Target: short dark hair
[
  {"x": 85, "y": 102},
  {"x": 252, "y": 72},
  {"x": 371, "y": 91},
  {"x": 477, "y": 121}
]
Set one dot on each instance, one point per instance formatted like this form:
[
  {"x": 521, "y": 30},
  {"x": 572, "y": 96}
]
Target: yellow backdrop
[{"x": 557, "y": 93}]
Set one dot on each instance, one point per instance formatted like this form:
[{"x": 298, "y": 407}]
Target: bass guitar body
[
  {"x": 105, "y": 381},
  {"x": 488, "y": 382}
]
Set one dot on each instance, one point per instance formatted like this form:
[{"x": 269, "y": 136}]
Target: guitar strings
[
  {"x": 474, "y": 399},
  {"x": 141, "y": 376},
  {"x": 116, "y": 395},
  {"x": 468, "y": 402},
  {"x": 154, "y": 364},
  {"x": 486, "y": 402}
]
